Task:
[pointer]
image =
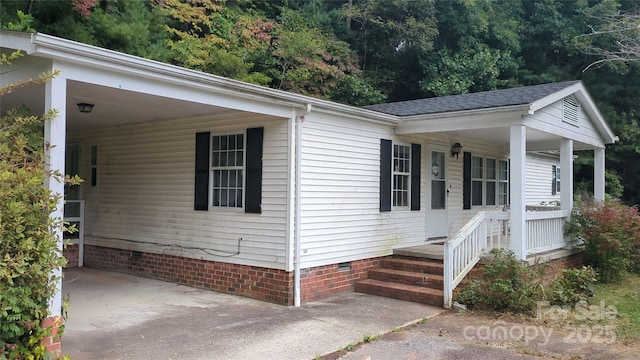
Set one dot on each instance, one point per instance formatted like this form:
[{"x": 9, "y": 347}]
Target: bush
[
  {"x": 610, "y": 232},
  {"x": 507, "y": 284},
  {"x": 28, "y": 243},
  {"x": 572, "y": 286}
]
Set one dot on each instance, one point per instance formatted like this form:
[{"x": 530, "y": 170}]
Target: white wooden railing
[
  {"x": 545, "y": 230},
  {"x": 488, "y": 230},
  {"x": 462, "y": 253},
  {"x": 74, "y": 213}
]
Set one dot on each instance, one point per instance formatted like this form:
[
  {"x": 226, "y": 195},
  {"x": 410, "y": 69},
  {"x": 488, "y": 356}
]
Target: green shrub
[
  {"x": 610, "y": 231},
  {"x": 572, "y": 286},
  {"x": 507, "y": 284},
  {"x": 28, "y": 243}
]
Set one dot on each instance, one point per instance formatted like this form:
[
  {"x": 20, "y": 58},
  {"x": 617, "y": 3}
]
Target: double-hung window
[
  {"x": 477, "y": 180},
  {"x": 227, "y": 170},
  {"x": 486, "y": 181},
  {"x": 401, "y": 175},
  {"x": 503, "y": 182}
]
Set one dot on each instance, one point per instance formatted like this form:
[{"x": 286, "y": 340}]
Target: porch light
[
  {"x": 455, "y": 150},
  {"x": 85, "y": 108}
]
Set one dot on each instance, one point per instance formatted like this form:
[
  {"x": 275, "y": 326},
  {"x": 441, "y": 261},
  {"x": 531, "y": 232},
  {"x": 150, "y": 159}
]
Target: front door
[{"x": 437, "y": 218}]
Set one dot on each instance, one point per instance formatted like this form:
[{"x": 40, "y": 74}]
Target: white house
[{"x": 216, "y": 183}]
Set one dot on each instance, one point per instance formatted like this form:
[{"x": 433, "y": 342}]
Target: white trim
[
  {"x": 598, "y": 174},
  {"x": 517, "y": 153},
  {"x": 55, "y": 141}
]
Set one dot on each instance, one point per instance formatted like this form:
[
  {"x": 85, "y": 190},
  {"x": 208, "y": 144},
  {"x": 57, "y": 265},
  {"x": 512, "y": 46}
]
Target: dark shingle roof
[{"x": 481, "y": 100}]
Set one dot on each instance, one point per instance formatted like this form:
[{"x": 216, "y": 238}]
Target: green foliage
[
  {"x": 610, "y": 231},
  {"x": 572, "y": 286},
  {"x": 28, "y": 242},
  {"x": 506, "y": 285},
  {"x": 355, "y": 90}
]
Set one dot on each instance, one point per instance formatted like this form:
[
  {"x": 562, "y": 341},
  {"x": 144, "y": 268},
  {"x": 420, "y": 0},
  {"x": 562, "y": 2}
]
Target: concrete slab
[
  {"x": 428, "y": 251},
  {"x": 119, "y": 316}
]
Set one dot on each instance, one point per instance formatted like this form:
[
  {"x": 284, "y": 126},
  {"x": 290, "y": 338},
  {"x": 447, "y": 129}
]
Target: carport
[{"x": 120, "y": 316}]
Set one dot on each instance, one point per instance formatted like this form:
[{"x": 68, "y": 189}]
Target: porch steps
[{"x": 416, "y": 279}]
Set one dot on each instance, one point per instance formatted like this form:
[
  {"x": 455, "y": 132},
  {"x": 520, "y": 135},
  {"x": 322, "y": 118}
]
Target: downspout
[{"x": 297, "y": 201}]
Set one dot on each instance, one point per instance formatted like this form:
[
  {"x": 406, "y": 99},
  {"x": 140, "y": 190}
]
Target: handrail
[
  {"x": 462, "y": 253},
  {"x": 80, "y": 220}
]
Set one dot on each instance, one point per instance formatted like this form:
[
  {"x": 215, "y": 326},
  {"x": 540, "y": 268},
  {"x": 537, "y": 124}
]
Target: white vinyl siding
[
  {"x": 341, "y": 220},
  {"x": 146, "y": 195},
  {"x": 539, "y": 180}
]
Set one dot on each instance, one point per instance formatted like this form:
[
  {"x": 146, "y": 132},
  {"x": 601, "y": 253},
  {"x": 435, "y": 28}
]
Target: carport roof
[{"x": 474, "y": 101}]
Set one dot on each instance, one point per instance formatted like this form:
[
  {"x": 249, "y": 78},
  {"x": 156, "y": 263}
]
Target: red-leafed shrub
[{"x": 610, "y": 234}]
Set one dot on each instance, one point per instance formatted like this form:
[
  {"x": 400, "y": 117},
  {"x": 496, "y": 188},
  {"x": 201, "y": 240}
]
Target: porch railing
[
  {"x": 488, "y": 230},
  {"x": 74, "y": 213},
  {"x": 545, "y": 230},
  {"x": 462, "y": 253}
]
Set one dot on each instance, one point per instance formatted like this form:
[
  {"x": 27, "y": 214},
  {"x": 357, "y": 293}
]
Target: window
[
  {"x": 555, "y": 182},
  {"x": 485, "y": 181},
  {"x": 477, "y": 180},
  {"x": 94, "y": 165},
  {"x": 491, "y": 179},
  {"x": 503, "y": 182},
  {"x": 227, "y": 168},
  {"x": 401, "y": 175}
]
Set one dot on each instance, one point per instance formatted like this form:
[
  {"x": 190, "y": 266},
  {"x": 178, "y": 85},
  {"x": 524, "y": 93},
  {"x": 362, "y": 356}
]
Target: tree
[{"x": 612, "y": 38}]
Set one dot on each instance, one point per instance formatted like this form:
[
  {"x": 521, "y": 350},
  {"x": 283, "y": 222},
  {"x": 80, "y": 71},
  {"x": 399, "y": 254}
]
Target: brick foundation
[
  {"x": 52, "y": 342},
  {"x": 272, "y": 285},
  {"x": 319, "y": 282},
  {"x": 71, "y": 253}
]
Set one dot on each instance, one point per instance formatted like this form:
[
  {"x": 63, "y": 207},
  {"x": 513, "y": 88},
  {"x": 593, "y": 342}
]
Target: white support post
[
  {"x": 54, "y": 138},
  {"x": 566, "y": 179},
  {"x": 598, "y": 174},
  {"x": 517, "y": 154}
]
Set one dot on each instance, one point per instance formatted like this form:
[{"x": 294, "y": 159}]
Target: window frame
[
  {"x": 485, "y": 180},
  {"x": 558, "y": 179},
  {"x": 215, "y": 168},
  {"x": 406, "y": 175},
  {"x": 475, "y": 179}
]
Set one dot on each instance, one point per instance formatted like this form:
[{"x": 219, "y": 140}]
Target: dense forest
[{"x": 371, "y": 51}]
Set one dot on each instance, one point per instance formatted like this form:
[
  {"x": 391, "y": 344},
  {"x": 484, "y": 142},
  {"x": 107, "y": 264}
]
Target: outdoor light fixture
[
  {"x": 85, "y": 108},
  {"x": 455, "y": 150}
]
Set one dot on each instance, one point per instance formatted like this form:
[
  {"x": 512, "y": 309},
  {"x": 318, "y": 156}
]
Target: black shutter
[
  {"x": 415, "y": 176},
  {"x": 553, "y": 180},
  {"x": 466, "y": 181},
  {"x": 253, "y": 192},
  {"x": 385, "y": 175},
  {"x": 201, "y": 191}
]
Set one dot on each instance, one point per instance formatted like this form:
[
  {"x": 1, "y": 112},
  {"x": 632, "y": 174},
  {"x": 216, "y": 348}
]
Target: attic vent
[{"x": 570, "y": 110}]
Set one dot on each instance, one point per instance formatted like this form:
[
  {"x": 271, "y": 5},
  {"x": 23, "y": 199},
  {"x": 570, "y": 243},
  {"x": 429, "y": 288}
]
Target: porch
[{"x": 437, "y": 267}]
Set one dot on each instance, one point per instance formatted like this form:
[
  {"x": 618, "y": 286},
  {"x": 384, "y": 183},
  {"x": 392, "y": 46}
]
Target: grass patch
[{"x": 625, "y": 296}]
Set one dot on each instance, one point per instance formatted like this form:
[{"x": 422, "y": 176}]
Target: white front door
[{"x": 437, "y": 218}]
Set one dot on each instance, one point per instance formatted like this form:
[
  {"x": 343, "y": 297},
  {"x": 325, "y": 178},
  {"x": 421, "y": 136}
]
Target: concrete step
[
  {"x": 420, "y": 266},
  {"x": 408, "y": 278},
  {"x": 405, "y": 292},
  {"x": 427, "y": 251}
]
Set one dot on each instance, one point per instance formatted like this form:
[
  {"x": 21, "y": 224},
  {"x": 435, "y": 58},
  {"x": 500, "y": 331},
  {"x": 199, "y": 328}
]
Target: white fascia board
[
  {"x": 51, "y": 46},
  {"x": 463, "y": 120},
  {"x": 563, "y": 133},
  {"x": 17, "y": 40}
]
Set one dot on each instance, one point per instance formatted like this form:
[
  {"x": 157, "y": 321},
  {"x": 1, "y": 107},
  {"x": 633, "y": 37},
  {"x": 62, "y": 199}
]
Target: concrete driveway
[{"x": 119, "y": 316}]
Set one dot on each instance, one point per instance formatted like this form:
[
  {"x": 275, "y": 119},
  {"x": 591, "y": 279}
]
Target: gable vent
[{"x": 570, "y": 110}]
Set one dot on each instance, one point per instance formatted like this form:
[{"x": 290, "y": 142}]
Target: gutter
[{"x": 63, "y": 49}]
